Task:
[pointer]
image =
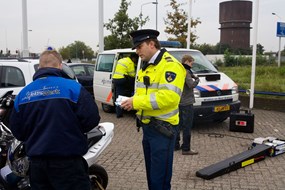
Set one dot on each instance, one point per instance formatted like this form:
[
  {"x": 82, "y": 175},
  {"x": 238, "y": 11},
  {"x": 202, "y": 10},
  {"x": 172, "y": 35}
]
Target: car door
[{"x": 102, "y": 81}]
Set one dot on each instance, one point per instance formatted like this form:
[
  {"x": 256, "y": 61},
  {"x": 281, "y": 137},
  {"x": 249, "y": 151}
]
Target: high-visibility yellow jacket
[
  {"x": 161, "y": 98},
  {"x": 125, "y": 66}
]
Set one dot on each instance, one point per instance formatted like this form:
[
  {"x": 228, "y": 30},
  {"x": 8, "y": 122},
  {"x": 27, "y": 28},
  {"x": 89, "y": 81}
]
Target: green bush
[
  {"x": 267, "y": 78},
  {"x": 231, "y": 60},
  {"x": 219, "y": 62}
]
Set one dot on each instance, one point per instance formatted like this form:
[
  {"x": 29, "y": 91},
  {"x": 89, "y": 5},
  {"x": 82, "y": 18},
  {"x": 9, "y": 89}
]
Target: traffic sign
[{"x": 280, "y": 29}]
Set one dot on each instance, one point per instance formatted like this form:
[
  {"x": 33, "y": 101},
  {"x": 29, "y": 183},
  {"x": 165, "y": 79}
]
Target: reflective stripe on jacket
[
  {"x": 161, "y": 98},
  {"x": 125, "y": 66}
]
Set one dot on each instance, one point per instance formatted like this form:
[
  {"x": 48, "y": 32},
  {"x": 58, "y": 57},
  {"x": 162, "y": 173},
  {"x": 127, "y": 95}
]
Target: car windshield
[
  {"x": 83, "y": 70},
  {"x": 201, "y": 63}
]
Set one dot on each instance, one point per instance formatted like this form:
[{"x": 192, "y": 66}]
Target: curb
[{"x": 264, "y": 103}]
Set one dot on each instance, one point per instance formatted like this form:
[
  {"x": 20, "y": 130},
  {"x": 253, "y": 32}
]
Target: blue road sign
[{"x": 280, "y": 29}]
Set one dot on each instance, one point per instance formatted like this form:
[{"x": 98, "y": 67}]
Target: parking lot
[{"x": 124, "y": 162}]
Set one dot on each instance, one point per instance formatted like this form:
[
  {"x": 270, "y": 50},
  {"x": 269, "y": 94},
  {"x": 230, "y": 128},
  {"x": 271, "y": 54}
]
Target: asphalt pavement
[{"x": 124, "y": 162}]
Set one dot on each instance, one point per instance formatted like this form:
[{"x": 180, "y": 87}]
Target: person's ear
[{"x": 152, "y": 44}]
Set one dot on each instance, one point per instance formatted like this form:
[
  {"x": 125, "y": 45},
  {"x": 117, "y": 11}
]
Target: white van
[{"x": 216, "y": 95}]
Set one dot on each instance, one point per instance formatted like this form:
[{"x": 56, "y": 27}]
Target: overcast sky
[{"x": 61, "y": 22}]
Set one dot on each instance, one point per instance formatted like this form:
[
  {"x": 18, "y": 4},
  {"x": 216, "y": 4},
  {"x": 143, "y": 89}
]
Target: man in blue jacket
[{"x": 51, "y": 116}]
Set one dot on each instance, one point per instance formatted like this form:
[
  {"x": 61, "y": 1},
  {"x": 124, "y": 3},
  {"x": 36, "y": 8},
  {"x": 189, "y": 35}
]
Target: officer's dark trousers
[
  {"x": 158, "y": 152},
  {"x": 59, "y": 174},
  {"x": 120, "y": 90}
]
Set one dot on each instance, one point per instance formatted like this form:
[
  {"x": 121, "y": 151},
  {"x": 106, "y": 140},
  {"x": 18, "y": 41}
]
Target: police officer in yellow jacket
[
  {"x": 124, "y": 78},
  {"x": 159, "y": 87}
]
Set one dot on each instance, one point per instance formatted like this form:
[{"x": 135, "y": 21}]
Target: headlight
[
  {"x": 196, "y": 93},
  {"x": 235, "y": 90}
]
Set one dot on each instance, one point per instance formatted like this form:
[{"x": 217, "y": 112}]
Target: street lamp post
[
  {"x": 279, "y": 50},
  {"x": 147, "y": 4},
  {"x": 277, "y": 15}
]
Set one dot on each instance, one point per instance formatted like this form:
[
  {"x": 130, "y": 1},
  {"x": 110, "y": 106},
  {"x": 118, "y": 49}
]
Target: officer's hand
[{"x": 127, "y": 104}]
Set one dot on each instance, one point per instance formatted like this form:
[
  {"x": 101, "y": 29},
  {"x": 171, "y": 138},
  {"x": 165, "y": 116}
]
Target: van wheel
[{"x": 107, "y": 108}]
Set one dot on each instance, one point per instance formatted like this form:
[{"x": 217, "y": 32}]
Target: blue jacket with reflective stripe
[{"x": 51, "y": 115}]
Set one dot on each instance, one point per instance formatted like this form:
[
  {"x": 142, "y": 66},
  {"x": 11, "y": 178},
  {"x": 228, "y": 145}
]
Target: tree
[
  {"x": 76, "y": 50},
  {"x": 120, "y": 27},
  {"x": 212, "y": 49},
  {"x": 221, "y": 48},
  {"x": 259, "y": 49},
  {"x": 176, "y": 24},
  {"x": 205, "y": 48}
]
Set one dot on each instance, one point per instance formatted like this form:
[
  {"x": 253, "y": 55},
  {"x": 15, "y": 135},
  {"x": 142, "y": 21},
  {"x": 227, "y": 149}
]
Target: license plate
[{"x": 221, "y": 108}]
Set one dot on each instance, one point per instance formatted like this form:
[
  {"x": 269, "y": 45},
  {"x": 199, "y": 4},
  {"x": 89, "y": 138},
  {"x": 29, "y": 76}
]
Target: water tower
[{"x": 235, "y": 19}]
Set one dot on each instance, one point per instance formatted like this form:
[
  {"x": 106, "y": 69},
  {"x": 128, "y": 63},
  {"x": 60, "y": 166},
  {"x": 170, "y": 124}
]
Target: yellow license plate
[{"x": 221, "y": 108}]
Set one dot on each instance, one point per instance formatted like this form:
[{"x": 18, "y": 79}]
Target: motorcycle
[{"x": 14, "y": 162}]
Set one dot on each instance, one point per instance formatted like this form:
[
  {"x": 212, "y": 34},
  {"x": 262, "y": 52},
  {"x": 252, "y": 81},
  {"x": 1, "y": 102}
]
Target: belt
[{"x": 162, "y": 127}]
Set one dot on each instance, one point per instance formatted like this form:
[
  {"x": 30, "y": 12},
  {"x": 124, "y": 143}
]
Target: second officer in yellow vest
[
  {"x": 124, "y": 78},
  {"x": 159, "y": 87}
]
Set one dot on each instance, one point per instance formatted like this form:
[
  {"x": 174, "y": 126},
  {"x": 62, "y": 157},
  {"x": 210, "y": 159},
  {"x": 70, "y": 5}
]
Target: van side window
[
  {"x": 105, "y": 63},
  {"x": 12, "y": 77}
]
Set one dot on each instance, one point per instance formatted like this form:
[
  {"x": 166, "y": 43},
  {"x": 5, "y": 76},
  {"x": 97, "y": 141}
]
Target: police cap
[{"x": 140, "y": 36}]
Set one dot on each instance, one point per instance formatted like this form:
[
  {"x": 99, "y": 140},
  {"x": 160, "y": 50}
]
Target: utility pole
[
  {"x": 156, "y": 15},
  {"x": 25, "y": 50},
  {"x": 101, "y": 26},
  {"x": 251, "y": 98},
  {"x": 189, "y": 25}
]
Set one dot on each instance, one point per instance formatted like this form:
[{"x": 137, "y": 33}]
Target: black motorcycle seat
[{"x": 96, "y": 136}]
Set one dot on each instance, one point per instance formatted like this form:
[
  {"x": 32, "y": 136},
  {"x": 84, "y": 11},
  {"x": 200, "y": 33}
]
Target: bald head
[{"x": 50, "y": 58}]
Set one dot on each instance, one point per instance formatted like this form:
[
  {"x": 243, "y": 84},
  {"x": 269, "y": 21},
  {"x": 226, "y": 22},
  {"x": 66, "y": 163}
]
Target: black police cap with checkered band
[{"x": 140, "y": 36}]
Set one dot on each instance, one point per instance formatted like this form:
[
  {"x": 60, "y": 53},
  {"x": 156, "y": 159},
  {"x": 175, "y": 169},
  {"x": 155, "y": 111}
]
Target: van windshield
[{"x": 201, "y": 63}]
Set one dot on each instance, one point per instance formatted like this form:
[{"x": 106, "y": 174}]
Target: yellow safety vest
[
  {"x": 161, "y": 99},
  {"x": 125, "y": 66}
]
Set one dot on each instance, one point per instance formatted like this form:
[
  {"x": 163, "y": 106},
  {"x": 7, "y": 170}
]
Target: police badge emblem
[{"x": 170, "y": 76}]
